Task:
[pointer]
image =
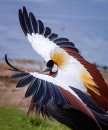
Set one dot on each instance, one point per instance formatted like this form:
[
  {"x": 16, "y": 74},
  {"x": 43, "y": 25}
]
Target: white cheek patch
[{"x": 55, "y": 68}]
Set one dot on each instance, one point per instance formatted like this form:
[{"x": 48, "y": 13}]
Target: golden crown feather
[{"x": 60, "y": 56}]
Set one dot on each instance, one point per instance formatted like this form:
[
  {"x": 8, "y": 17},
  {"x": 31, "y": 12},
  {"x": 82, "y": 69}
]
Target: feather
[
  {"x": 27, "y": 21},
  {"x": 33, "y": 23},
  {"x": 60, "y": 40},
  {"x": 69, "y": 97},
  {"x": 25, "y": 81},
  {"x": 40, "y": 27},
  {"x": 20, "y": 75},
  {"x": 73, "y": 118},
  {"x": 32, "y": 88},
  {"x": 60, "y": 57},
  {"x": 53, "y": 36},
  {"x": 67, "y": 43},
  {"x": 22, "y": 22},
  {"x": 39, "y": 94},
  {"x": 47, "y": 32},
  {"x": 89, "y": 101}
]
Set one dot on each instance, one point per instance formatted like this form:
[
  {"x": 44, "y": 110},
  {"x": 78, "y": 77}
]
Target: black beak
[{"x": 47, "y": 70}]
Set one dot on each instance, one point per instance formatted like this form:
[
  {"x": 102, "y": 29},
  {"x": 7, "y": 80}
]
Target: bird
[{"x": 71, "y": 90}]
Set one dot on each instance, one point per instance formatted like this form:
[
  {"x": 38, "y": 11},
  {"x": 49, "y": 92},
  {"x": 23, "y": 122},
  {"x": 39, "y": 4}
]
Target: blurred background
[{"x": 84, "y": 22}]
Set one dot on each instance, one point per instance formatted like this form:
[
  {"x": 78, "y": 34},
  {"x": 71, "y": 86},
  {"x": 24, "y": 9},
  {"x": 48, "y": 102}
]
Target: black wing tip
[
  {"x": 30, "y": 14},
  {"x": 24, "y": 8},
  {"x": 20, "y": 10}
]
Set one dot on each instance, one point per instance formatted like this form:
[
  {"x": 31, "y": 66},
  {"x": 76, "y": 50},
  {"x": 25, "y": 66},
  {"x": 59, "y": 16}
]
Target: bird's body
[
  {"x": 71, "y": 90},
  {"x": 74, "y": 72},
  {"x": 44, "y": 47}
]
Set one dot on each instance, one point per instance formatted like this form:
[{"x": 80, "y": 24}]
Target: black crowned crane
[{"x": 71, "y": 90}]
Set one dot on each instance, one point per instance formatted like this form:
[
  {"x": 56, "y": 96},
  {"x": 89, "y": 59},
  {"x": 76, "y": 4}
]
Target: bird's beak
[{"x": 47, "y": 70}]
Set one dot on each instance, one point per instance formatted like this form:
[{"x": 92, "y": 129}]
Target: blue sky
[{"x": 84, "y": 22}]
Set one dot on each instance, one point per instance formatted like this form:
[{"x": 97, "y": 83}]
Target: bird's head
[
  {"x": 52, "y": 68},
  {"x": 58, "y": 59}
]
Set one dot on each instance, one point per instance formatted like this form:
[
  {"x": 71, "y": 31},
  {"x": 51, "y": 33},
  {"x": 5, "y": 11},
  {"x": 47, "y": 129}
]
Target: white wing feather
[
  {"x": 41, "y": 45},
  {"x": 55, "y": 81},
  {"x": 71, "y": 74}
]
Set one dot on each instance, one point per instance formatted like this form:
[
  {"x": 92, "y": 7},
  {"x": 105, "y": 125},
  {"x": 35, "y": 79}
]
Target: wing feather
[
  {"x": 33, "y": 22},
  {"x": 60, "y": 40},
  {"x": 25, "y": 81},
  {"x": 27, "y": 21},
  {"x": 22, "y": 23},
  {"x": 102, "y": 87},
  {"x": 60, "y": 95},
  {"x": 40, "y": 36},
  {"x": 53, "y": 36},
  {"x": 47, "y": 32},
  {"x": 19, "y": 75},
  {"x": 32, "y": 88},
  {"x": 40, "y": 27}
]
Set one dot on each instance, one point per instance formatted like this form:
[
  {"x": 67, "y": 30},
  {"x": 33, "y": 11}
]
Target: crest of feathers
[{"x": 60, "y": 56}]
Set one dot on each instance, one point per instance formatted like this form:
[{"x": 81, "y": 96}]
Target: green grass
[{"x": 13, "y": 119}]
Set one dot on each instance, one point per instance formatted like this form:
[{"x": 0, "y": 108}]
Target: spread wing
[
  {"x": 96, "y": 87},
  {"x": 55, "y": 100},
  {"x": 100, "y": 114},
  {"x": 40, "y": 37},
  {"x": 43, "y": 41}
]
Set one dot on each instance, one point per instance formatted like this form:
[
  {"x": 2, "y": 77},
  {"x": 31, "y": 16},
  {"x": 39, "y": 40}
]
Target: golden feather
[
  {"x": 88, "y": 82},
  {"x": 60, "y": 56}
]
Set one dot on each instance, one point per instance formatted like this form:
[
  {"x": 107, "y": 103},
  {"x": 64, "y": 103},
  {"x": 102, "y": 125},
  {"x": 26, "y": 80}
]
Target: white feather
[
  {"x": 41, "y": 45},
  {"x": 70, "y": 74},
  {"x": 54, "y": 81}
]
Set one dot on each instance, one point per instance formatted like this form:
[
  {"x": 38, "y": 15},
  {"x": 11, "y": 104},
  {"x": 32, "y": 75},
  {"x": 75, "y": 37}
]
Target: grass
[{"x": 13, "y": 119}]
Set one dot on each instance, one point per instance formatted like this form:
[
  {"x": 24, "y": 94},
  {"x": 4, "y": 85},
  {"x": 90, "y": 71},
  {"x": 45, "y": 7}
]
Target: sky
[{"x": 84, "y": 22}]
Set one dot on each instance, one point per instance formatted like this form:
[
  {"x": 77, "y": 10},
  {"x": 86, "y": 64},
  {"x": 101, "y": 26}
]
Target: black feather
[
  {"x": 61, "y": 97},
  {"x": 100, "y": 114},
  {"x": 60, "y": 40},
  {"x": 48, "y": 94},
  {"x": 89, "y": 101},
  {"x": 38, "y": 84},
  {"x": 66, "y": 43},
  {"x": 25, "y": 81},
  {"x": 22, "y": 22},
  {"x": 73, "y": 118},
  {"x": 20, "y": 75},
  {"x": 38, "y": 95},
  {"x": 45, "y": 99},
  {"x": 33, "y": 23},
  {"x": 55, "y": 94},
  {"x": 40, "y": 27},
  {"x": 53, "y": 36},
  {"x": 32, "y": 88},
  {"x": 27, "y": 21},
  {"x": 68, "y": 46},
  {"x": 47, "y": 32}
]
